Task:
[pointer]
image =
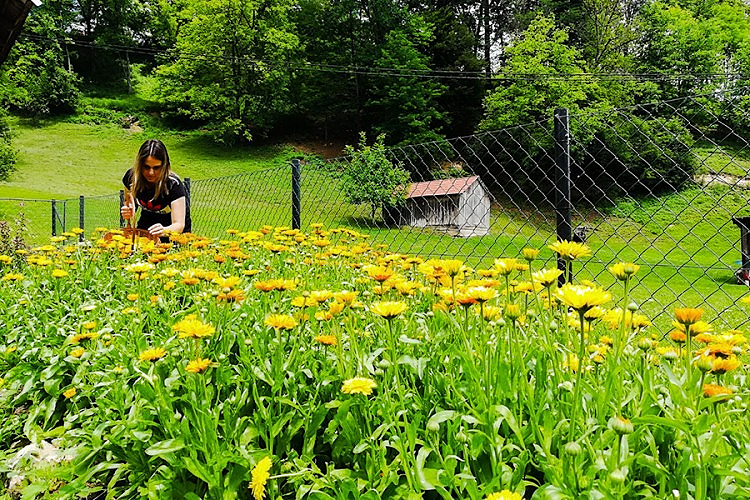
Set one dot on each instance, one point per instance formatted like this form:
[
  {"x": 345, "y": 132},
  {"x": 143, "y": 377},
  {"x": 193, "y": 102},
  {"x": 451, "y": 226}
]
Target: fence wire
[{"x": 662, "y": 185}]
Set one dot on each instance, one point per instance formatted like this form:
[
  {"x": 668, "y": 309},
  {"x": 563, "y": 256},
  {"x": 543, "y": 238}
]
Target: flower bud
[
  {"x": 433, "y": 426},
  {"x": 620, "y": 425},
  {"x": 632, "y": 307},
  {"x": 573, "y": 449}
]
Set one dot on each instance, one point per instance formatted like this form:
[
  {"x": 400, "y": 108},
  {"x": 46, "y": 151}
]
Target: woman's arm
[{"x": 177, "y": 208}]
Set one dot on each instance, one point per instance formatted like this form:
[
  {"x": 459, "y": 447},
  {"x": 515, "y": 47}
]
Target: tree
[
  {"x": 7, "y": 153},
  {"x": 231, "y": 71},
  {"x": 38, "y": 82},
  {"x": 370, "y": 178},
  {"x": 405, "y": 105}
]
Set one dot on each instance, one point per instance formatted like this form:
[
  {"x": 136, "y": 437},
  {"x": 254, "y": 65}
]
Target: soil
[{"x": 328, "y": 150}]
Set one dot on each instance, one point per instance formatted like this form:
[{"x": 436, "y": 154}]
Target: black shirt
[{"x": 159, "y": 210}]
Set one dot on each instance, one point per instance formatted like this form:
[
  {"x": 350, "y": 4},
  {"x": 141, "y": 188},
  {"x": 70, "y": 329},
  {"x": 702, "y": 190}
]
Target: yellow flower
[
  {"x": 721, "y": 366},
  {"x": 530, "y": 253},
  {"x": 481, "y": 293},
  {"x": 546, "y": 277},
  {"x": 83, "y": 336},
  {"x": 358, "y": 385},
  {"x": 191, "y": 326},
  {"x": 624, "y": 270},
  {"x": 506, "y": 266},
  {"x": 280, "y": 321},
  {"x": 12, "y": 277},
  {"x": 504, "y": 495},
  {"x": 512, "y": 311},
  {"x": 198, "y": 365},
  {"x": 570, "y": 250},
  {"x": 388, "y": 310},
  {"x": 152, "y": 354},
  {"x": 70, "y": 393},
  {"x": 327, "y": 339},
  {"x": 582, "y": 298},
  {"x": 713, "y": 390},
  {"x": 379, "y": 273},
  {"x": 260, "y": 475},
  {"x": 59, "y": 273},
  {"x": 132, "y": 297},
  {"x": 687, "y": 315},
  {"x": 345, "y": 296},
  {"x": 77, "y": 352},
  {"x": 6, "y": 259},
  {"x": 452, "y": 267}
]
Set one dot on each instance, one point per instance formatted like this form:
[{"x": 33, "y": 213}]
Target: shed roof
[
  {"x": 441, "y": 187},
  {"x": 12, "y": 16}
]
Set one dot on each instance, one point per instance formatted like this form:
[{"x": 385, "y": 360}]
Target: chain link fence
[{"x": 663, "y": 185}]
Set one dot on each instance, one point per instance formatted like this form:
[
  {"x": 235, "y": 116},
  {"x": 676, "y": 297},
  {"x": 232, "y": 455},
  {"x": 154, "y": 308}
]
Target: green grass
[{"x": 685, "y": 242}]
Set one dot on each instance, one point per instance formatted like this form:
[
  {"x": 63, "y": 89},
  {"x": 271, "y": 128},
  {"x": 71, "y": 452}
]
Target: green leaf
[{"x": 165, "y": 447}]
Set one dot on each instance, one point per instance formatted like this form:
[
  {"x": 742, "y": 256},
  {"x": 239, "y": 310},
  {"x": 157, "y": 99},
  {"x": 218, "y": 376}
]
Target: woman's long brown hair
[{"x": 157, "y": 149}]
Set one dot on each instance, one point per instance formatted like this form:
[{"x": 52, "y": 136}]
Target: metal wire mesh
[{"x": 658, "y": 185}]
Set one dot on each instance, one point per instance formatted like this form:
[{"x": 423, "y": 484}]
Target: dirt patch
[
  {"x": 714, "y": 179},
  {"x": 328, "y": 150}
]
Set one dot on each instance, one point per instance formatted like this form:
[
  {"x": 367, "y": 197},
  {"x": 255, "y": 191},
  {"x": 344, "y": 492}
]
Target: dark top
[{"x": 159, "y": 210}]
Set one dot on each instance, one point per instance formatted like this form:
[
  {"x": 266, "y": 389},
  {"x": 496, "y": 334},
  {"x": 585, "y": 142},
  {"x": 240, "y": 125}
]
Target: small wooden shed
[{"x": 459, "y": 206}]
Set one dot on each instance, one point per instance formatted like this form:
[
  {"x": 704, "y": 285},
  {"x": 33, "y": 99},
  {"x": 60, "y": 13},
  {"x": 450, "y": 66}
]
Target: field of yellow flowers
[{"x": 282, "y": 364}]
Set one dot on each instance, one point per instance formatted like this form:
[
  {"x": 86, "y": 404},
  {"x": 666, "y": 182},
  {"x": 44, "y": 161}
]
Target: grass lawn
[{"x": 685, "y": 242}]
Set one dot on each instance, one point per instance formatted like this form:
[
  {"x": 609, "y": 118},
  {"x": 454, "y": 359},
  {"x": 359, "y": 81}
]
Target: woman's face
[{"x": 152, "y": 169}]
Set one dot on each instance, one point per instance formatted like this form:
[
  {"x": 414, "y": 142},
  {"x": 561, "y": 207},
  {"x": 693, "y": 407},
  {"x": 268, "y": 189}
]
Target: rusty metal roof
[
  {"x": 442, "y": 187},
  {"x": 12, "y": 16}
]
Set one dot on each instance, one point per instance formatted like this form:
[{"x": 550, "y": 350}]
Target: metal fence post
[
  {"x": 296, "y": 194},
  {"x": 81, "y": 204},
  {"x": 122, "y": 202},
  {"x": 54, "y": 218},
  {"x": 563, "y": 207}
]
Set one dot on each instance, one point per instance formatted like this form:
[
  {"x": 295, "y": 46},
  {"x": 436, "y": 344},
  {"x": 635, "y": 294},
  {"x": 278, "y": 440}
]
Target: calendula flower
[
  {"x": 687, "y": 315},
  {"x": 379, "y": 273},
  {"x": 326, "y": 339},
  {"x": 358, "y": 385},
  {"x": 198, "y": 365},
  {"x": 506, "y": 266},
  {"x": 582, "y": 298},
  {"x": 83, "y": 337},
  {"x": 530, "y": 254},
  {"x": 77, "y": 352},
  {"x": 388, "y": 310},
  {"x": 721, "y": 366},
  {"x": 713, "y": 390},
  {"x": 546, "y": 277},
  {"x": 452, "y": 267},
  {"x": 153, "y": 354},
  {"x": 12, "y": 277},
  {"x": 191, "y": 327},
  {"x": 69, "y": 393},
  {"x": 260, "y": 475},
  {"x": 345, "y": 296},
  {"x": 59, "y": 273},
  {"x": 570, "y": 250},
  {"x": 280, "y": 321},
  {"x": 624, "y": 270},
  {"x": 481, "y": 293},
  {"x": 504, "y": 495}
]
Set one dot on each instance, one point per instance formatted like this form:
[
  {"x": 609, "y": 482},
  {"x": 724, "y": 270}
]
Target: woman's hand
[
  {"x": 157, "y": 229},
  {"x": 127, "y": 211}
]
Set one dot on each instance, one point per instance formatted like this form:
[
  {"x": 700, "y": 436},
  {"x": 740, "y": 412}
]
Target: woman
[{"x": 159, "y": 192}]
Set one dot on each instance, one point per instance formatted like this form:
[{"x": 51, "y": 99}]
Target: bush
[{"x": 7, "y": 153}]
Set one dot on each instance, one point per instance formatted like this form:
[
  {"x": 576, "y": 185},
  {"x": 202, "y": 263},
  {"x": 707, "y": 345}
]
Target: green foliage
[
  {"x": 405, "y": 106},
  {"x": 541, "y": 52},
  {"x": 230, "y": 71},
  {"x": 371, "y": 178},
  {"x": 8, "y": 154}
]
